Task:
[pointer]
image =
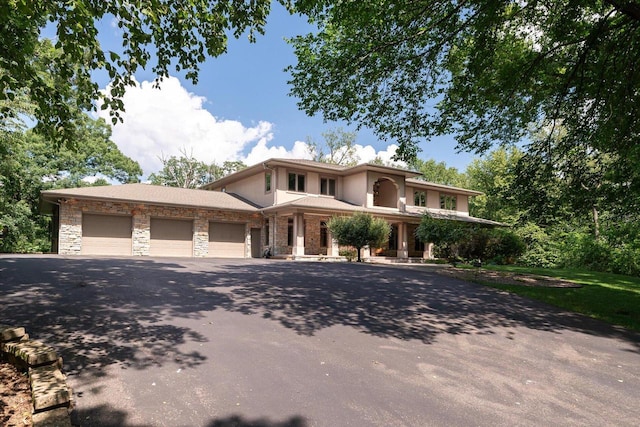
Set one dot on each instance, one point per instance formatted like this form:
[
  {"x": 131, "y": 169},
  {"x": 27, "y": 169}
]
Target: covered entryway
[
  {"x": 171, "y": 237},
  {"x": 227, "y": 240},
  {"x": 106, "y": 234}
]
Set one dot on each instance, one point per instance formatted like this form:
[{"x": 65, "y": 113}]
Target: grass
[{"x": 612, "y": 298}]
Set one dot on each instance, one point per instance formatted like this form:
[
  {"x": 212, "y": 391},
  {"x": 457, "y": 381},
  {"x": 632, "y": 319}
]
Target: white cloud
[
  {"x": 161, "y": 122},
  {"x": 369, "y": 154},
  {"x": 261, "y": 152}
]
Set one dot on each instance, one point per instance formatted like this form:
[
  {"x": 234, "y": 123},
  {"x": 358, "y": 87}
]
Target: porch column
[
  {"x": 366, "y": 252},
  {"x": 298, "y": 234},
  {"x": 428, "y": 251},
  {"x": 333, "y": 249},
  {"x": 403, "y": 246}
]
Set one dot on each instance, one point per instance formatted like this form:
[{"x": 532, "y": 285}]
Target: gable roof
[{"x": 153, "y": 194}]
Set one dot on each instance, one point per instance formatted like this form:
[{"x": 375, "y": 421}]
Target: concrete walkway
[{"x": 266, "y": 343}]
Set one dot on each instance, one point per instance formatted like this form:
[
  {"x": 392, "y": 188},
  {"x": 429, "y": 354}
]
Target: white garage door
[
  {"x": 171, "y": 237},
  {"x": 106, "y": 235},
  {"x": 226, "y": 240}
]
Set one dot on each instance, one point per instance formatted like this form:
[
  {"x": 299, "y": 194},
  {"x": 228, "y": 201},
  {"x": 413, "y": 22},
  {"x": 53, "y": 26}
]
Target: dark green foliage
[
  {"x": 439, "y": 173},
  {"x": 30, "y": 164},
  {"x": 489, "y": 72},
  {"x": 463, "y": 241},
  {"x": 617, "y": 250},
  {"x": 359, "y": 230}
]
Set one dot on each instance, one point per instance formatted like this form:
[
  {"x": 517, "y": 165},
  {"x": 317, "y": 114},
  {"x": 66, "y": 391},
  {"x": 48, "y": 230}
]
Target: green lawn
[{"x": 610, "y": 297}]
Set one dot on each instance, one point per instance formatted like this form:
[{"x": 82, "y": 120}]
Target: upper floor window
[
  {"x": 448, "y": 201},
  {"x": 419, "y": 198},
  {"x": 328, "y": 186},
  {"x": 296, "y": 182},
  {"x": 267, "y": 182}
]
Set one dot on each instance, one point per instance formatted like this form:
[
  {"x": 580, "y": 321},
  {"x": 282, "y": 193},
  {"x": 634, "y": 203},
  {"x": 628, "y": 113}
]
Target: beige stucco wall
[
  {"x": 354, "y": 188},
  {"x": 70, "y": 230},
  {"x": 253, "y": 189},
  {"x": 433, "y": 199},
  {"x": 462, "y": 204}
]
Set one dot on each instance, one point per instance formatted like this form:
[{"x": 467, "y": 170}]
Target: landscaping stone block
[
  {"x": 58, "y": 417},
  {"x": 11, "y": 333},
  {"x": 48, "y": 388},
  {"x": 33, "y": 353}
]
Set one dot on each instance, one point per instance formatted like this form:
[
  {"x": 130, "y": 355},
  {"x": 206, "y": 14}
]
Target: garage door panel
[
  {"x": 171, "y": 237},
  {"x": 106, "y": 235},
  {"x": 226, "y": 240}
]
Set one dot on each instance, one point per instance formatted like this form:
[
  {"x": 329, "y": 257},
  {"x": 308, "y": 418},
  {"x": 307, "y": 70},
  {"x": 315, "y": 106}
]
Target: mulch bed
[
  {"x": 15, "y": 397},
  {"x": 507, "y": 278}
]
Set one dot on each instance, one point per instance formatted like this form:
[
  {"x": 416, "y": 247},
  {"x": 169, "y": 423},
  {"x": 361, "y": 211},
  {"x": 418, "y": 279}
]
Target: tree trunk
[
  {"x": 596, "y": 223},
  {"x": 359, "y": 259}
]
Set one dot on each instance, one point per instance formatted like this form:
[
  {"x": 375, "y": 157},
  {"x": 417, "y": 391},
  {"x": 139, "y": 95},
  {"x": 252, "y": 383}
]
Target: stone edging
[{"x": 49, "y": 390}]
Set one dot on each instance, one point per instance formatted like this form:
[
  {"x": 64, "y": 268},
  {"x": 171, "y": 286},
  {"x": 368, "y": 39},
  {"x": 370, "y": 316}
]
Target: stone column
[
  {"x": 298, "y": 234},
  {"x": 428, "y": 251},
  {"x": 70, "y": 230},
  {"x": 200, "y": 235},
  {"x": 333, "y": 249},
  {"x": 141, "y": 235},
  {"x": 403, "y": 245}
]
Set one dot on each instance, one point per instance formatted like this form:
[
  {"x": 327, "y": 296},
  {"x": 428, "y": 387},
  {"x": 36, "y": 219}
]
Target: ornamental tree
[{"x": 359, "y": 230}]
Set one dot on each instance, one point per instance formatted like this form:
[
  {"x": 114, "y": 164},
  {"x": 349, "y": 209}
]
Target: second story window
[
  {"x": 328, "y": 186},
  {"x": 448, "y": 201},
  {"x": 267, "y": 182},
  {"x": 420, "y": 198},
  {"x": 296, "y": 182}
]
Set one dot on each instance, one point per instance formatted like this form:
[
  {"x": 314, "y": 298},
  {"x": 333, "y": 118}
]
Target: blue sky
[{"x": 239, "y": 110}]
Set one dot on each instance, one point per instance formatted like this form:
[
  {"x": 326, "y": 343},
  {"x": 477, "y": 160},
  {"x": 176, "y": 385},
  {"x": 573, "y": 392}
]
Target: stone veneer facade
[{"x": 70, "y": 230}]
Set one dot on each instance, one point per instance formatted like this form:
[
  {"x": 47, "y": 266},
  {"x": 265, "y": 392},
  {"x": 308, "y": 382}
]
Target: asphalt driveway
[{"x": 265, "y": 343}]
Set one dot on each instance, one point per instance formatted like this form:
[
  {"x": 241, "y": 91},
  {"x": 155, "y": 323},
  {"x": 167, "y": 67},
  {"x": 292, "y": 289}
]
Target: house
[{"x": 280, "y": 204}]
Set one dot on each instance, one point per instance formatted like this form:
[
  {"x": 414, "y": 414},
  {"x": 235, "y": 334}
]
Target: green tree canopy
[
  {"x": 494, "y": 175},
  {"x": 30, "y": 164},
  {"x": 186, "y": 171},
  {"x": 359, "y": 230},
  {"x": 439, "y": 172},
  {"x": 485, "y": 71},
  {"x": 156, "y": 34}
]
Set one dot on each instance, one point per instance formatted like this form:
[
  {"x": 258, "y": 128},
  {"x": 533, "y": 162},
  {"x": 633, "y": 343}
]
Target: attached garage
[
  {"x": 106, "y": 234},
  {"x": 227, "y": 240},
  {"x": 171, "y": 237}
]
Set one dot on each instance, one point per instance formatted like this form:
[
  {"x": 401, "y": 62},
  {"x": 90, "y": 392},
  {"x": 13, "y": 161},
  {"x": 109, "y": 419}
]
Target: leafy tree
[
  {"x": 188, "y": 172},
  {"x": 439, "y": 172},
  {"x": 338, "y": 148},
  {"x": 494, "y": 175},
  {"x": 159, "y": 34},
  {"x": 29, "y": 164},
  {"x": 572, "y": 183},
  {"x": 485, "y": 71},
  {"x": 359, "y": 230}
]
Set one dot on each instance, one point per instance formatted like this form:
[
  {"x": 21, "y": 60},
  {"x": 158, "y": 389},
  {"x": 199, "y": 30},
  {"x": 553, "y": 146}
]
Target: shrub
[{"x": 349, "y": 254}]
